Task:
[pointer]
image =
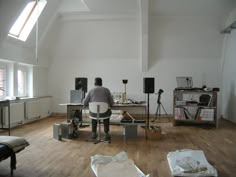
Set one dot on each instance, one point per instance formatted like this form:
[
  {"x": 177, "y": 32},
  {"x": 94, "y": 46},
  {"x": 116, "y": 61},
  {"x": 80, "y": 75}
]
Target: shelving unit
[{"x": 195, "y": 106}]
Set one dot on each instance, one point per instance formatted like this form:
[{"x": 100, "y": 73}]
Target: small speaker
[
  {"x": 148, "y": 85},
  {"x": 57, "y": 131},
  {"x": 81, "y": 83}
]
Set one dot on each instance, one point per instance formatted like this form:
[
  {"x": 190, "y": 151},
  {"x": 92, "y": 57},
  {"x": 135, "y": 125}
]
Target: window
[
  {"x": 27, "y": 19},
  {"x": 16, "y": 79},
  {"x": 21, "y": 82}
]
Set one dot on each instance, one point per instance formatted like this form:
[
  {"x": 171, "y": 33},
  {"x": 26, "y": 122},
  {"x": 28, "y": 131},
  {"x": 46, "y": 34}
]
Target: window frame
[
  {"x": 26, "y": 70},
  {"x": 27, "y": 19}
]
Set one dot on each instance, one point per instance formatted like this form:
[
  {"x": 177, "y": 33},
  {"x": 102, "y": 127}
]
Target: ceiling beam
[{"x": 144, "y": 33}]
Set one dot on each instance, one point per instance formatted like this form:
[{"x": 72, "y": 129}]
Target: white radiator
[
  {"x": 17, "y": 114},
  {"x": 32, "y": 109},
  {"x": 45, "y": 107}
]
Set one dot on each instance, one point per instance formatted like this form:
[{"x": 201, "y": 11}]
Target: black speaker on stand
[
  {"x": 148, "y": 87},
  {"x": 81, "y": 83}
]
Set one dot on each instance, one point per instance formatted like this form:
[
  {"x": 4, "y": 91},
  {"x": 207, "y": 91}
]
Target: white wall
[
  {"x": 40, "y": 81},
  {"x": 179, "y": 46},
  {"x": 228, "y": 74},
  {"x": 109, "y": 49}
]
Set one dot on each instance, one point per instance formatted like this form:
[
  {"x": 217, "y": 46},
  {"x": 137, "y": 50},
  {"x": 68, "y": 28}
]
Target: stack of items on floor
[
  {"x": 191, "y": 163},
  {"x": 115, "y": 166},
  {"x": 64, "y": 130}
]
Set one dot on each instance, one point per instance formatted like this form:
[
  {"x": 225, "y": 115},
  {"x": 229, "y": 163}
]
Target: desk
[{"x": 131, "y": 108}]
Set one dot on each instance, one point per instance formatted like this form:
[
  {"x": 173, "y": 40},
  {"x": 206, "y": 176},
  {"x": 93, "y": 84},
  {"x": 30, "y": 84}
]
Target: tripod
[{"x": 159, "y": 106}]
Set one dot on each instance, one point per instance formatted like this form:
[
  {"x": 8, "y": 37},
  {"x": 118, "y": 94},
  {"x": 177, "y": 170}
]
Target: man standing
[{"x": 100, "y": 94}]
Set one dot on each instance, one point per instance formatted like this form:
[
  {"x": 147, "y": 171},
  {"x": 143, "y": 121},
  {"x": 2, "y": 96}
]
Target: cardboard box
[{"x": 154, "y": 133}]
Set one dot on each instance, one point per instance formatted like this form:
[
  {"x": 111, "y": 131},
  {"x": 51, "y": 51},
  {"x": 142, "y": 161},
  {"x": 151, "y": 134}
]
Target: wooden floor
[{"x": 71, "y": 157}]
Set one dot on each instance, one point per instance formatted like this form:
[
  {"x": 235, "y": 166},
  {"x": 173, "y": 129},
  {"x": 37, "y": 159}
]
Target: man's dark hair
[{"x": 98, "y": 81}]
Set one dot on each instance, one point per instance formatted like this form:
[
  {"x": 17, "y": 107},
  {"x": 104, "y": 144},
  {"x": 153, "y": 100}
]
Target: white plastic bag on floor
[
  {"x": 190, "y": 163},
  {"x": 116, "y": 166}
]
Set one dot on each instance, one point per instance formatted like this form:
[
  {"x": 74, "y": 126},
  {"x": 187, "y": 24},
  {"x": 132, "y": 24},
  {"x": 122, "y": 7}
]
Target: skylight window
[{"x": 27, "y": 19}]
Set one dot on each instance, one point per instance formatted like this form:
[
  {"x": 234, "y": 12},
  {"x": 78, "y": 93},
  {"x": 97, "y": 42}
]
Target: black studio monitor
[
  {"x": 148, "y": 85},
  {"x": 81, "y": 83}
]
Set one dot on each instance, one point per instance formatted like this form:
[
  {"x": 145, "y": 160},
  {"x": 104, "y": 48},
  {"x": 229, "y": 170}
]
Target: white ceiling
[
  {"x": 100, "y": 6},
  {"x": 217, "y": 8},
  {"x": 192, "y": 7}
]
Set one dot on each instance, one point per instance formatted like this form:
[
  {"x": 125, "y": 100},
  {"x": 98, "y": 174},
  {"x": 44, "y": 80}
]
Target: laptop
[
  {"x": 184, "y": 82},
  {"x": 76, "y": 96}
]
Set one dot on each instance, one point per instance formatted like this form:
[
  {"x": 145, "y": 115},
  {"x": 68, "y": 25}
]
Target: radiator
[
  {"x": 17, "y": 114},
  {"x": 45, "y": 107},
  {"x": 32, "y": 109}
]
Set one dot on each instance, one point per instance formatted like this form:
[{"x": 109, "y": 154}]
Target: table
[{"x": 131, "y": 108}]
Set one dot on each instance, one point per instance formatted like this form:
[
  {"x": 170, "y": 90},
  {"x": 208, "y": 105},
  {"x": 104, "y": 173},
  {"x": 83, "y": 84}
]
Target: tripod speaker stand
[
  {"x": 148, "y": 87},
  {"x": 80, "y": 86},
  {"x": 159, "y": 106}
]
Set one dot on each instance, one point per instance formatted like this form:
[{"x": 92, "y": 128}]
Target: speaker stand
[
  {"x": 147, "y": 118},
  {"x": 147, "y": 121},
  {"x": 147, "y": 126}
]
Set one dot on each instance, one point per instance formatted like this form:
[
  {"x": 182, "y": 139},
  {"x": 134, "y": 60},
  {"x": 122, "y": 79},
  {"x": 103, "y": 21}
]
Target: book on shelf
[
  {"x": 197, "y": 116},
  {"x": 179, "y": 113},
  {"x": 185, "y": 113},
  {"x": 207, "y": 114},
  {"x": 212, "y": 101},
  {"x": 190, "y": 112}
]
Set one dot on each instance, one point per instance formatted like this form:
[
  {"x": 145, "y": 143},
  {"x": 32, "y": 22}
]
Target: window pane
[
  {"x": 26, "y": 21},
  {"x": 21, "y": 83},
  {"x": 18, "y": 25}
]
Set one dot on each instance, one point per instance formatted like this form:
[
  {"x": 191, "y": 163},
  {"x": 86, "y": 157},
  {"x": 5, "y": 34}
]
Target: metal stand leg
[
  {"x": 99, "y": 132},
  {"x": 158, "y": 111},
  {"x": 99, "y": 128}
]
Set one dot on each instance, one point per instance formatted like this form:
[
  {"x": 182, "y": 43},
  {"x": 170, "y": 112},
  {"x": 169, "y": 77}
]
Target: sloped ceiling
[
  {"x": 11, "y": 9},
  {"x": 6, "y": 16},
  {"x": 100, "y": 6},
  {"x": 215, "y": 8}
]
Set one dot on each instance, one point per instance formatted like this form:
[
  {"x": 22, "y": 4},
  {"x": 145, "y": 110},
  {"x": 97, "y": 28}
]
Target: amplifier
[
  {"x": 67, "y": 130},
  {"x": 57, "y": 131}
]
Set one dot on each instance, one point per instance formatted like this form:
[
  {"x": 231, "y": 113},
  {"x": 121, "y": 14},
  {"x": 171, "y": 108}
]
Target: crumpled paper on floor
[{"x": 116, "y": 166}]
